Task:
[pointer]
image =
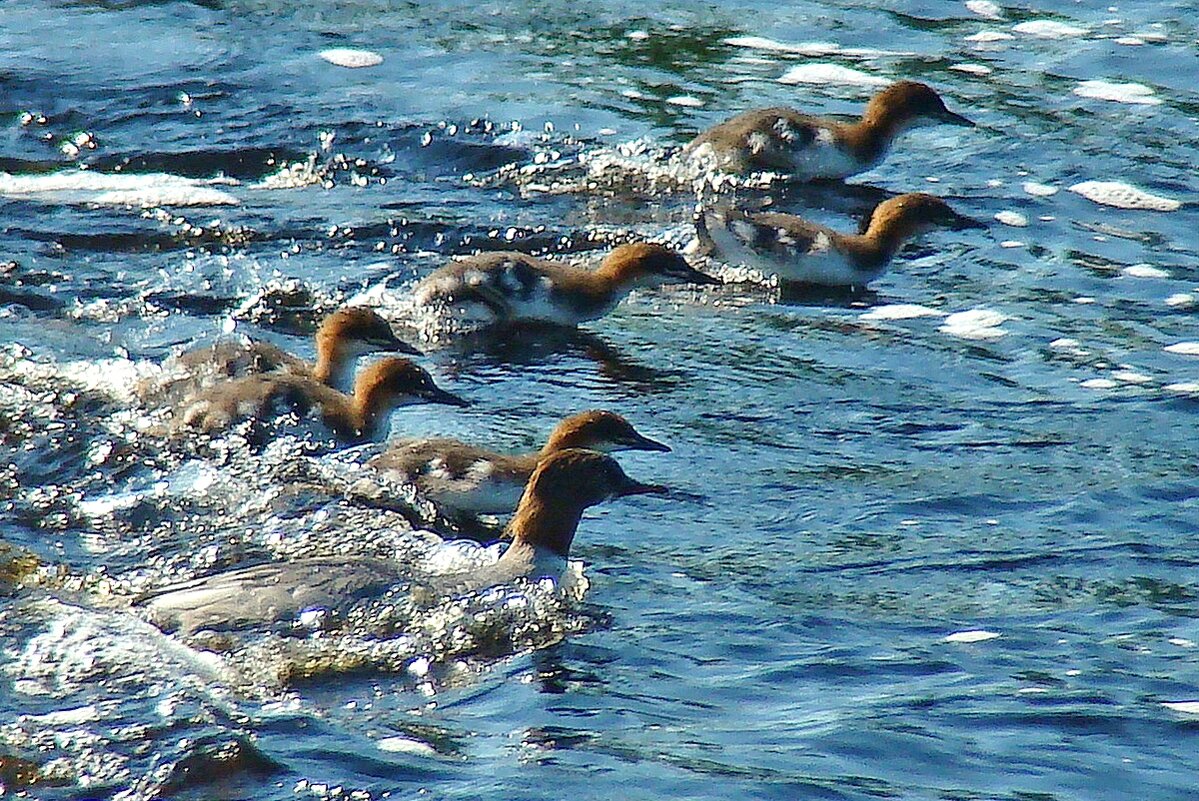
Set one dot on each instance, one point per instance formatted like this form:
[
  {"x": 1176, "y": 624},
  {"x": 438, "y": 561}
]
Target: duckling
[
  {"x": 511, "y": 287},
  {"x": 342, "y": 337},
  {"x": 379, "y": 389},
  {"x": 813, "y": 148},
  {"x": 466, "y": 480},
  {"x": 562, "y": 486},
  {"x": 800, "y": 251}
]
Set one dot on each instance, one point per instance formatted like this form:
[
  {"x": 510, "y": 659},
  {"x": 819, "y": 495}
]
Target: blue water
[{"x": 850, "y": 491}]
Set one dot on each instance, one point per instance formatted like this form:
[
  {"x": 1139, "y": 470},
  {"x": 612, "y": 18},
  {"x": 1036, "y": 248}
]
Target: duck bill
[
  {"x": 641, "y": 443},
  {"x": 397, "y": 345},
  {"x": 952, "y": 118},
  {"x": 694, "y": 276},
  {"x": 637, "y": 488},
  {"x": 438, "y": 395},
  {"x": 961, "y": 222}
]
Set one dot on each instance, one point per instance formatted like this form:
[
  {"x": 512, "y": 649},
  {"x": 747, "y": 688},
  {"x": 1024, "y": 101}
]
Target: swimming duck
[
  {"x": 810, "y": 148},
  {"x": 800, "y": 251},
  {"x": 342, "y": 337},
  {"x": 464, "y": 479},
  {"x": 543, "y": 528},
  {"x": 511, "y": 287},
  {"x": 379, "y": 389}
]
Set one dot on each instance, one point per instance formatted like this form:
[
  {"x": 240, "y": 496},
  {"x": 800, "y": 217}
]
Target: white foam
[
  {"x": 973, "y": 635},
  {"x": 989, "y": 36},
  {"x": 1117, "y": 92},
  {"x": 1123, "y": 196},
  {"x": 403, "y": 745},
  {"x": 1099, "y": 383},
  {"x": 1183, "y": 387},
  {"x": 1145, "y": 271},
  {"x": 146, "y": 189},
  {"x": 1131, "y": 377},
  {"x": 985, "y": 9},
  {"x": 351, "y": 58},
  {"x": 1181, "y": 300},
  {"x": 1185, "y": 707},
  {"x": 1181, "y": 642},
  {"x": 685, "y": 100},
  {"x": 1012, "y": 218},
  {"x": 975, "y": 324},
  {"x": 1183, "y": 348},
  {"x": 901, "y": 311},
  {"x": 972, "y": 69},
  {"x": 831, "y": 73},
  {"x": 1039, "y": 190},
  {"x": 810, "y": 49},
  {"x": 1049, "y": 29}
]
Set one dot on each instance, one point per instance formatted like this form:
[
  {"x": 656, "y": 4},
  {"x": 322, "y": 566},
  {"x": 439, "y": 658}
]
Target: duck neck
[
  {"x": 885, "y": 236},
  {"x": 371, "y": 408},
  {"x": 542, "y": 525},
  {"x": 334, "y": 366},
  {"x": 871, "y": 137}
]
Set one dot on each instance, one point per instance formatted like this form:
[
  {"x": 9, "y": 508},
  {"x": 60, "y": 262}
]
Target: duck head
[{"x": 601, "y": 431}]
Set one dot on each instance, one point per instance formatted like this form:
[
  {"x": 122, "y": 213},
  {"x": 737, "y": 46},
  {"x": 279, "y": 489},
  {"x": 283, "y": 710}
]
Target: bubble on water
[
  {"x": 972, "y": 69},
  {"x": 1144, "y": 271},
  {"x": 1012, "y": 218},
  {"x": 688, "y": 101},
  {"x": 125, "y": 189},
  {"x": 1039, "y": 190},
  {"x": 1123, "y": 196},
  {"x": 1137, "y": 93},
  {"x": 1181, "y": 300},
  {"x": 971, "y": 636},
  {"x": 1185, "y": 707},
  {"x": 975, "y": 324},
  {"x": 1049, "y": 29},
  {"x": 831, "y": 73},
  {"x": 1183, "y": 348},
  {"x": 351, "y": 58},
  {"x": 901, "y": 311},
  {"x": 984, "y": 37},
  {"x": 1099, "y": 383},
  {"x": 985, "y": 9}
]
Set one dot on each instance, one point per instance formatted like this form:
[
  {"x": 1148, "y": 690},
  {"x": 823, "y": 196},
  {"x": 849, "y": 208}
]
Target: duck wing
[{"x": 264, "y": 596}]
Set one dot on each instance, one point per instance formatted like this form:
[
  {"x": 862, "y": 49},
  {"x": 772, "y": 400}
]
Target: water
[{"x": 862, "y": 502}]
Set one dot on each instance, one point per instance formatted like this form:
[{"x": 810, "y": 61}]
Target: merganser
[
  {"x": 342, "y": 337},
  {"x": 543, "y": 528},
  {"x": 800, "y": 251},
  {"x": 810, "y": 148},
  {"x": 467, "y": 480},
  {"x": 379, "y": 389},
  {"x": 513, "y": 287}
]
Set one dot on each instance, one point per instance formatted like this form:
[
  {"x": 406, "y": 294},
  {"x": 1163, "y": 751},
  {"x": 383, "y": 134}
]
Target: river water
[{"x": 937, "y": 540}]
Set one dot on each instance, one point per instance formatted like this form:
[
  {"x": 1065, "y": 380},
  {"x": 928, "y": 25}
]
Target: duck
[
  {"x": 810, "y": 148},
  {"x": 379, "y": 389},
  {"x": 799, "y": 251},
  {"x": 342, "y": 337},
  {"x": 464, "y": 480},
  {"x": 277, "y": 594},
  {"x": 512, "y": 287}
]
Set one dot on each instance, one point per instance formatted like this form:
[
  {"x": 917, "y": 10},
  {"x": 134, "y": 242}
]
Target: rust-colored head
[
  {"x": 394, "y": 382},
  {"x": 602, "y": 431},
  {"x": 650, "y": 264},
  {"x": 900, "y": 218},
  {"x": 563, "y": 485},
  {"x": 909, "y": 103},
  {"x": 357, "y": 330}
]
